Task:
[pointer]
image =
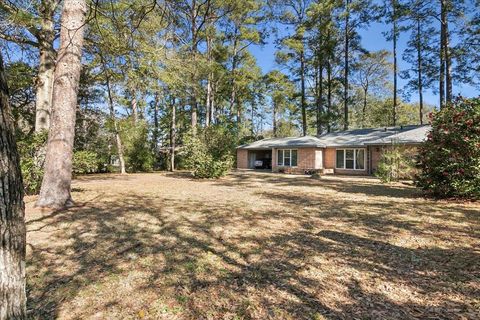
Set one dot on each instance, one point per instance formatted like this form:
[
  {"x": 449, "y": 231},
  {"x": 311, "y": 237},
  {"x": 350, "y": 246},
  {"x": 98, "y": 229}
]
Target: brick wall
[
  {"x": 305, "y": 160},
  {"x": 242, "y": 159},
  {"x": 330, "y": 159}
]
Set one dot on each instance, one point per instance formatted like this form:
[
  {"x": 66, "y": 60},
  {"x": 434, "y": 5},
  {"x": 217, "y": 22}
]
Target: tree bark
[
  {"x": 118, "y": 139},
  {"x": 55, "y": 190},
  {"x": 274, "y": 118},
  {"x": 320, "y": 97},
  {"x": 442, "y": 53},
  {"x": 420, "y": 70},
  {"x": 329, "y": 94},
  {"x": 364, "y": 111},
  {"x": 302, "y": 93},
  {"x": 46, "y": 66},
  {"x": 448, "y": 58},
  {"x": 395, "y": 66},
  {"x": 12, "y": 216},
  {"x": 173, "y": 136},
  {"x": 208, "y": 116},
  {"x": 347, "y": 71}
]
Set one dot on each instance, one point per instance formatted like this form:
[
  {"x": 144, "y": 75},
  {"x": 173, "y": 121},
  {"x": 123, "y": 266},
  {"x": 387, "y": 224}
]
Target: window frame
[
  {"x": 355, "y": 151},
  {"x": 290, "y": 157}
]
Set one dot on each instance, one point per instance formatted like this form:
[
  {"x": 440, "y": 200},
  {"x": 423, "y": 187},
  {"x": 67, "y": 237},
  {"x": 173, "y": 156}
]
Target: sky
[{"x": 372, "y": 40}]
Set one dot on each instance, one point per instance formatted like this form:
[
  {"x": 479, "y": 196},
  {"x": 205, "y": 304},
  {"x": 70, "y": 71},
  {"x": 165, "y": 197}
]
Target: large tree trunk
[
  {"x": 347, "y": 71},
  {"x": 118, "y": 139},
  {"x": 364, "y": 110},
  {"x": 173, "y": 136},
  {"x": 233, "y": 91},
  {"x": 12, "y": 216},
  {"x": 395, "y": 67},
  {"x": 55, "y": 190},
  {"x": 320, "y": 97},
  {"x": 46, "y": 66},
  {"x": 208, "y": 117},
  {"x": 419, "y": 67},
  {"x": 303, "y": 101}
]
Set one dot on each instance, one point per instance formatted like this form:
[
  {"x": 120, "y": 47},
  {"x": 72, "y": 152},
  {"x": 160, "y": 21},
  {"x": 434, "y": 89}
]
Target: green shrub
[
  {"x": 32, "y": 158},
  {"x": 139, "y": 157},
  {"x": 85, "y": 162},
  {"x": 395, "y": 164},
  {"x": 450, "y": 158},
  {"x": 205, "y": 159}
]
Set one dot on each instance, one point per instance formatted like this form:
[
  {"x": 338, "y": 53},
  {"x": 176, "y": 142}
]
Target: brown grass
[{"x": 252, "y": 246}]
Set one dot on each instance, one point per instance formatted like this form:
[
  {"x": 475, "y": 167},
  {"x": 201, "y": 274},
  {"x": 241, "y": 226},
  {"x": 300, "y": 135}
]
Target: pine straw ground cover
[{"x": 252, "y": 246}]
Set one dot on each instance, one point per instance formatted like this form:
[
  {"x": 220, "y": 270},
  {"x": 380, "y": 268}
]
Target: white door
[{"x": 318, "y": 159}]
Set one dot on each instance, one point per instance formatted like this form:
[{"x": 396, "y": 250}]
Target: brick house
[{"x": 355, "y": 152}]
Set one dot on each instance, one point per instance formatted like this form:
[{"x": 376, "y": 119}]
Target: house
[{"x": 344, "y": 152}]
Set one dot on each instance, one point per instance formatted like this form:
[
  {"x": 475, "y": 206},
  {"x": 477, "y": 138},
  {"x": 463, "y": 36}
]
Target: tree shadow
[{"x": 134, "y": 255}]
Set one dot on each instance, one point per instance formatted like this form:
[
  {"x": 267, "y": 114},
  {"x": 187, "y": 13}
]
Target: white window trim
[
  {"x": 354, "y": 159},
  {"x": 283, "y": 160}
]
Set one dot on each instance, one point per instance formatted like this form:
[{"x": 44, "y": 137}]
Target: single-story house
[{"x": 343, "y": 152}]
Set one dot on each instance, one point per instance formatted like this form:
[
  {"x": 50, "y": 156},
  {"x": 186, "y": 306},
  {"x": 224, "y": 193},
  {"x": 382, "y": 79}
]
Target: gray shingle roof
[
  {"x": 414, "y": 136},
  {"x": 348, "y": 138},
  {"x": 307, "y": 141}
]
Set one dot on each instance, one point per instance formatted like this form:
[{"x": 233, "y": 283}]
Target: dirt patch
[{"x": 252, "y": 246}]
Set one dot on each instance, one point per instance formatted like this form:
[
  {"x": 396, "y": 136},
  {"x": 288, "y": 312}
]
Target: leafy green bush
[
  {"x": 32, "y": 158},
  {"x": 395, "y": 165},
  {"x": 139, "y": 157},
  {"x": 85, "y": 162},
  {"x": 207, "y": 154},
  {"x": 450, "y": 158}
]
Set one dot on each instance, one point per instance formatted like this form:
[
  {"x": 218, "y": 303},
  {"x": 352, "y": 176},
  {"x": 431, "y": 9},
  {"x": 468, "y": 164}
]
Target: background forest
[{"x": 162, "y": 80}]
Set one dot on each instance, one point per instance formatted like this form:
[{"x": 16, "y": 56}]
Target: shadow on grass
[{"x": 207, "y": 260}]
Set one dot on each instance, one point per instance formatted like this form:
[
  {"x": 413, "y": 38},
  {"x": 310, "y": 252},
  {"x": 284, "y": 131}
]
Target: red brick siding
[
  {"x": 242, "y": 159},
  {"x": 305, "y": 160}
]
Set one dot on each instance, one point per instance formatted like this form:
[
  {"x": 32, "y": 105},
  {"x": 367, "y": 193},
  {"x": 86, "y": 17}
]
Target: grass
[{"x": 252, "y": 246}]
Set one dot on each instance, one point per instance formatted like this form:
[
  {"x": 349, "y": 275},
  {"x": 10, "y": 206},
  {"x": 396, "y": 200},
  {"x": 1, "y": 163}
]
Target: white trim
[{"x": 354, "y": 159}]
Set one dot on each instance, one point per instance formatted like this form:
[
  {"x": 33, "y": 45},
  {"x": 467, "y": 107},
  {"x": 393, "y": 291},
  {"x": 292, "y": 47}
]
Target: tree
[
  {"x": 55, "y": 190},
  {"x": 450, "y": 158},
  {"x": 294, "y": 14},
  {"x": 372, "y": 71},
  {"x": 37, "y": 31},
  {"x": 12, "y": 216},
  {"x": 280, "y": 90}
]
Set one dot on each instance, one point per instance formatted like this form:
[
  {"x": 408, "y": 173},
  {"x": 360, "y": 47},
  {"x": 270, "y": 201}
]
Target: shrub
[
  {"x": 32, "y": 158},
  {"x": 450, "y": 158},
  {"x": 206, "y": 160},
  {"x": 395, "y": 164},
  {"x": 137, "y": 150},
  {"x": 85, "y": 162}
]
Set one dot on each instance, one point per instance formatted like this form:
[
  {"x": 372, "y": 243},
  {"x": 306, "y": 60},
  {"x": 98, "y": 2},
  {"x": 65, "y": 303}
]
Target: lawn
[{"x": 252, "y": 246}]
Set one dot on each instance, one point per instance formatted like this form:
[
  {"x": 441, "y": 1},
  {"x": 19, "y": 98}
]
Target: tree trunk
[
  {"x": 347, "y": 71},
  {"x": 12, "y": 216},
  {"x": 274, "y": 119},
  {"x": 134, "y": 105},
  {"x": 442, "y": 53},
  {"x": 173, "y": 136},
  {"x": 448, "y": 58},
  {"x": 419, "y": 66},
  {"x": 46, "y": 66},
  {"x": 364, "y": 110},
  {"x": 55, "y": 190},
  {"x": 329, "y": 94},
  {"x": 320, "y": 98},
  {"x": 302, "y": 93},
  {"x": 208, "y": 117},
  {"x": 395, "y": 67},
  {"x": 234, "y": 70},
  {"x": 118, "y": 139}
]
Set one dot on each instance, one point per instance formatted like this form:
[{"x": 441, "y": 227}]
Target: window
[
  {"x": 287, "y": 157},
  {"x": 352, "y": 159}
]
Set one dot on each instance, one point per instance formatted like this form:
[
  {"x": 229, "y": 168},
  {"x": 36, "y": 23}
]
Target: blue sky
[{"x": 372, "y": 40}]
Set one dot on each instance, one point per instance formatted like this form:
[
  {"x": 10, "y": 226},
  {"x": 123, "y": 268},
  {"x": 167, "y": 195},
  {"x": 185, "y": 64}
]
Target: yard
[{"x": 252, "y": 246}]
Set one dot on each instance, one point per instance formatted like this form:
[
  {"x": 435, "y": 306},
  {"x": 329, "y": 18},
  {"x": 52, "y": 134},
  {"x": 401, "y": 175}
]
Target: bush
[
  {"x": 206, "y": 160},
  {"x": 85, "y": 162},
  {"x": 450, "y": 158},
  {"x": 139, "y": 157},
  {"x": 32, "y": 151},
  {"x": 395, "y": 165}
]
